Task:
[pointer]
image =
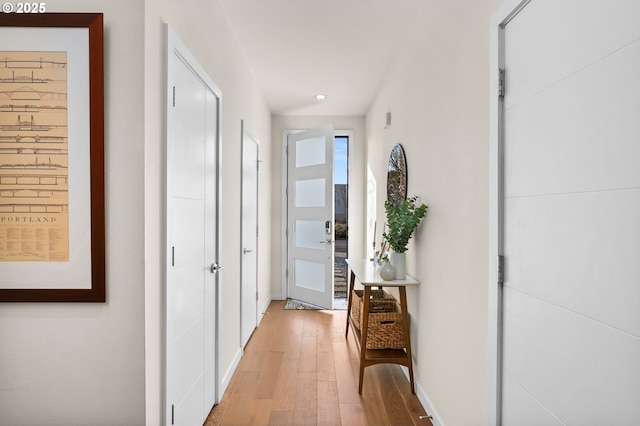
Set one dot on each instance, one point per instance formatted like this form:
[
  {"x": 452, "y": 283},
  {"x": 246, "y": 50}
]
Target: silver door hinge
[
  {"x": 256, "y": 295},
  {"x": 500, "y": 268},
  {"x": 174, "y": 96},
  {"x": 173, "y": 256},
  {"x": 501, "y": 82}
]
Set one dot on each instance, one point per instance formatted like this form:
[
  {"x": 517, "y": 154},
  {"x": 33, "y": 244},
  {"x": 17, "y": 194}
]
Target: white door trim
[
  {"x": 496, "y": 155},
  {"x": 284, "y": 205},
  {"x": 175, "y": 46}
]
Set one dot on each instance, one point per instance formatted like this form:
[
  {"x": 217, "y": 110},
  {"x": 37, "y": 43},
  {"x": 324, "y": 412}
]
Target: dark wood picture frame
[{"x": 96, "y": 292}]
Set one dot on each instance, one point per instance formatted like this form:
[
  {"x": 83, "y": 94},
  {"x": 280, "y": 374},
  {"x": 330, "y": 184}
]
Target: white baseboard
[
  {"x": 229, "y": 373},
  {"x": 278, "y": 297},
  {"x": 424, "y": 399},
  {"x": 263, "y": 311}
]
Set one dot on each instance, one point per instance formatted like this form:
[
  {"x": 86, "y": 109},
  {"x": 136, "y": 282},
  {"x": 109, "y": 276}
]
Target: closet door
[
  {"x": 192, "y": 246},
  {"x": 571, "y": 217}
]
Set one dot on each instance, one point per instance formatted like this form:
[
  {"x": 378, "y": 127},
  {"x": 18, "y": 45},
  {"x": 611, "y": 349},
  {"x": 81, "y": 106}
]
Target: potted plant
[{"x": 402, "y": 221}]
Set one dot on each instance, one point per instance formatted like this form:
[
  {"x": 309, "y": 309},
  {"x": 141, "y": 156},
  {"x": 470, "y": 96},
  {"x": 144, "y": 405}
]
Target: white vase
[
  {"x": 387, "y": 272},
  {"x": 398, "y": 260}
]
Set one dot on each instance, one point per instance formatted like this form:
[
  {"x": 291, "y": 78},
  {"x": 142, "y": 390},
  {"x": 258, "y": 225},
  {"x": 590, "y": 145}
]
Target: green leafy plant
[{"x": 402, "y": 221}]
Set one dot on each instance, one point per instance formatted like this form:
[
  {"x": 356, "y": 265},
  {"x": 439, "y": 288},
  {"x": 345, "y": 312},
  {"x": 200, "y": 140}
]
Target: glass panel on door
[{"x": 310, "y": 193}]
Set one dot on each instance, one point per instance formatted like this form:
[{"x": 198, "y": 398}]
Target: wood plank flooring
[{"x": 298, "y": 369}]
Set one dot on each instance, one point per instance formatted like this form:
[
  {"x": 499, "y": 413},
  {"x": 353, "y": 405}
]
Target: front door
[
  {"x": 191, "y": 245},
  {"x": 310, "y": 234}
]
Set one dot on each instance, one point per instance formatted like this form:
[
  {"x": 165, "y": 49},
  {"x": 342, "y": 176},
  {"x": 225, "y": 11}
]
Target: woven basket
[
  {"x": 385, "y": 319},
  {"x": 381, "y": 301}
]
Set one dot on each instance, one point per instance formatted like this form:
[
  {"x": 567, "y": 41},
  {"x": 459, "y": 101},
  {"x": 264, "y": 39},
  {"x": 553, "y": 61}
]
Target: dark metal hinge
[
  {"x": 500, "y": 268},
  {"x": 174, "y": 96},
  {"x": 501, "y": 83}
]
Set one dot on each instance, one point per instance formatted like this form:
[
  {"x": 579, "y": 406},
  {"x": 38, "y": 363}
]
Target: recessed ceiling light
[{"x": 320, "y": 97}]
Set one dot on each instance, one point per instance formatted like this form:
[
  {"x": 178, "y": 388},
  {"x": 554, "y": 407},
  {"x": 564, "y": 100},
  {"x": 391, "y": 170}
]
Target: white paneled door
[
  {"x": 571, "y": 215},
  {"x": 191, "y": 245},
  {"x": 310, "y": 216},
  {"x": 249, "y": 289}
]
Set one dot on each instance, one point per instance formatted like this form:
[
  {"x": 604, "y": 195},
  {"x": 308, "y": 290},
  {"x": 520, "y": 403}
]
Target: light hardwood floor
[{"x": 298, "y": 369}]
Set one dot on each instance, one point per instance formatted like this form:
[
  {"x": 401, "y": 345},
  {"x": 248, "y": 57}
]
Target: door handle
[
  {"x": 327, "y": 241},
  {"x": 245, "y": 251},
  {"x": 215, "y": 268}
]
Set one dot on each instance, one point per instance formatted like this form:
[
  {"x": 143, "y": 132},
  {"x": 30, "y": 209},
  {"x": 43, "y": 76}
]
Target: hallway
[{"x": 298, "y": 369}]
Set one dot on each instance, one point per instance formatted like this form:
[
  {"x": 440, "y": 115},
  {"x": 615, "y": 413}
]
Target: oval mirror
[{"x": 397, "y": 176}]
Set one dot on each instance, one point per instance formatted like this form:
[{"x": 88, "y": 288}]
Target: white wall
[
  {"x": 437, "y": 92},
  {"x": 83, "y": 363},
  {"x": 203, "y": 28},
  {"x": 356, "y": 184}
]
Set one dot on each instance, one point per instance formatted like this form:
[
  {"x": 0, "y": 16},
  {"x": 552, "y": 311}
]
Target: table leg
[
  {"x": 352, "y": 280},
  {"x": 364, "y": 331},
  {"x": 407, "y": 334}
]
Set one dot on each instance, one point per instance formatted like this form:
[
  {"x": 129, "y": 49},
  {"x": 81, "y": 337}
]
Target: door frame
[
  {"x": 496, "y": 212},
  {"x": 285, "y": 199},
  {"x": 247, "y": 135},
  {"x": 174, "y": 45}
]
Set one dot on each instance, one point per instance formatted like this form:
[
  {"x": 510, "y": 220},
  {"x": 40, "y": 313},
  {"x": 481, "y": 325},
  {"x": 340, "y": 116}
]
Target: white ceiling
[{"x": 341, "y": 48}]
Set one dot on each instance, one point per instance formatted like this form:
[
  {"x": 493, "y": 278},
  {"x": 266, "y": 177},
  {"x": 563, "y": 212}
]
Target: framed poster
[{"x": 52, "y": 221}]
